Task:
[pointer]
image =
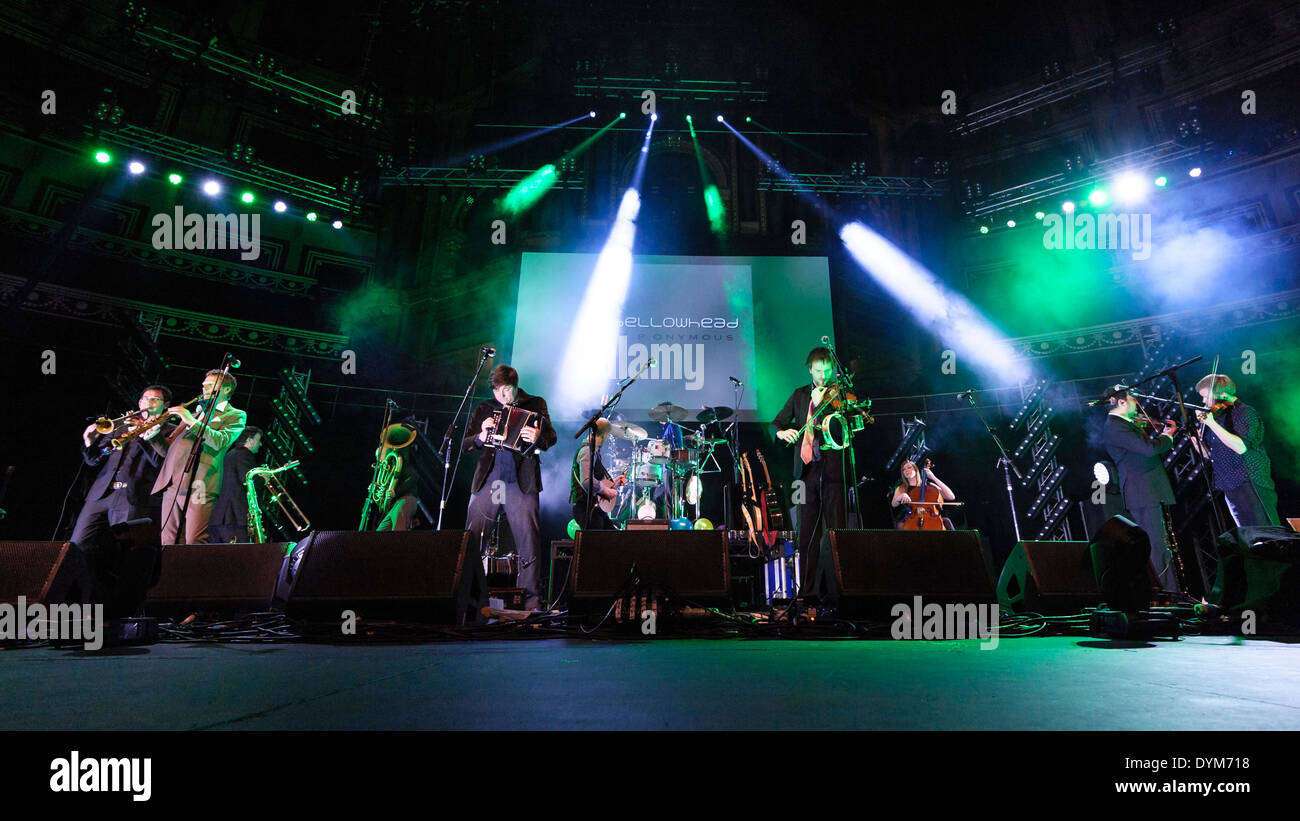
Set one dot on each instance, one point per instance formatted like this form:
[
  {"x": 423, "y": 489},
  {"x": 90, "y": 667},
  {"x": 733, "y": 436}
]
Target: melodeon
[{"x": 508, "y": 426}]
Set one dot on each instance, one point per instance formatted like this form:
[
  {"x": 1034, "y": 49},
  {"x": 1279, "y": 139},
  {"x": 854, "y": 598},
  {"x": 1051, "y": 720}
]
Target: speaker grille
[{"x": 693, "y": 563}]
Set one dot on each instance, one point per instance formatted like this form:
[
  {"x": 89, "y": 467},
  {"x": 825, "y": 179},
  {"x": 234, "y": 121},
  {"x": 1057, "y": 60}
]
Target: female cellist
[{"x": 924, "y": 494}]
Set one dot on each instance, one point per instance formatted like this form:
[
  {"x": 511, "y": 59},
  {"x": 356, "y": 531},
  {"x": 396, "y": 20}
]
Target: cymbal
[
  {"x": 666, "y": 411},
  {"x": 628, "y": 430},
  {"x": 717, "y": 414}
]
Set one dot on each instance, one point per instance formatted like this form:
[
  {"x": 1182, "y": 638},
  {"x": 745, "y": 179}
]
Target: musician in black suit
[
  {"x": 821, "y": 473},
  {"x": 579, "y": 475},
  {"x": 1142, "y": 478},
  {"x": 122, "y": 490},
  {"x": 229, "y": 522},
  {"x": 510, "y": 479}
]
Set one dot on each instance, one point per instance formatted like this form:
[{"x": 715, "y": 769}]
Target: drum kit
[{"x": 665, "y": 475}]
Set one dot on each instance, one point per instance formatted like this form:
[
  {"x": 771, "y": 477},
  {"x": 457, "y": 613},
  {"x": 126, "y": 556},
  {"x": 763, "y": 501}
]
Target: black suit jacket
[
  {"x": 794, "y": 415},
  {"x": 528, "y": 469},
  {"x": 232, "y": 503},
  {"x": 136, "y": 464},
  {"x": 1142, "y": 477}
]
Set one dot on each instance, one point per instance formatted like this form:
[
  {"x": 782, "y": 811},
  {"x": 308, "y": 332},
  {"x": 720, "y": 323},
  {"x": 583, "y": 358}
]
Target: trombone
[{"x": 279, "y": 494}]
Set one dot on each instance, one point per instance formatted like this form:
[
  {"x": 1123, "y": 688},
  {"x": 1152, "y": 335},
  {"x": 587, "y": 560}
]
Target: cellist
[{"x": 921, "y": 485}]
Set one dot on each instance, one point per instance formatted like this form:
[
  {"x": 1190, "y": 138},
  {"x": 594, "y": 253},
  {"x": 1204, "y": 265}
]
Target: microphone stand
[
  {"x": 590, "y": 425},
  {"x": 1008, "y": 466},
  {"x": 447, "y": 473},
  {"x": 207, "y": 406},
  {"x": 732, "y": 435}
]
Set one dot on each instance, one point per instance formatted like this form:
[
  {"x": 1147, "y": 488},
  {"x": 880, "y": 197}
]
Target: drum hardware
[
  {"x": 710, "y": 415},
  {"x": 628, "y": 430}
]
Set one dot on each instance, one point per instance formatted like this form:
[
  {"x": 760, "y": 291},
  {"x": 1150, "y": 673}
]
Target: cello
[{"x": 926, "y": 506}]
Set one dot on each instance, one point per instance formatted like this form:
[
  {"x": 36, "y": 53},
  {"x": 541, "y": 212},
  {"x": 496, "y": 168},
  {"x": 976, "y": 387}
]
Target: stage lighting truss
[
  {"x": 708, "y": 92},
  {"x": 1056, "y": 527},
  {"x": 1037, "y": 425},
  {"x": 262, "y": 72},
  {"x": 490, "y": 178},
  {"x": 1044, "y": 454},
  {"x": 294, "y": 388},
  {"x": 1181, "y": 463},
  {"x": 1027, "y": 406},
  {"x": 913, "y": 441},
  {"x": 143, "y": 141},
  {"x": 1048, "y": 493},
  {"x": 1063, "y": 183},
  {"x": 847, "y": 183},
  {"x": 288, "y": 412}
]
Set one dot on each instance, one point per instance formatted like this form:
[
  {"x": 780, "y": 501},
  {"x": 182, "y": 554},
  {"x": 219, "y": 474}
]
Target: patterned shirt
[{"x": 1232, "y": 468}]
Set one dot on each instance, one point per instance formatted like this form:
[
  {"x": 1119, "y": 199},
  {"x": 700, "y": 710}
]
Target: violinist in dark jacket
[{"x": 1142, "y": 477}]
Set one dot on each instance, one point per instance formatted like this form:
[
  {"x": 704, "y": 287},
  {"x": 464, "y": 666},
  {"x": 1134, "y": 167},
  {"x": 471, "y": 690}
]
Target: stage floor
[{"x": 1053, "y": 683}]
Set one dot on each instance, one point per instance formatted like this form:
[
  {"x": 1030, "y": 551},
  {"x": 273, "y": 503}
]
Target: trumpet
[{"x": 106, "y": 426}]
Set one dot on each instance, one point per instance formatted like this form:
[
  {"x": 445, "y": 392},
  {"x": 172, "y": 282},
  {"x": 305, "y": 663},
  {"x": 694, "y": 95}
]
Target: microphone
[
  {"x": 234, "y": 363},
  {"x": 489, "y": 351},
  {"x": 653, "y": 363},
  {"x": 736, "y": 382},
  {"x": 826, "y": 340},
  {"x": 966, "y": 394}
]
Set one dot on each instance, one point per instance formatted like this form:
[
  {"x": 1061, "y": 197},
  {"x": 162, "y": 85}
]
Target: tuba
[{"x": 388, "y": 463}]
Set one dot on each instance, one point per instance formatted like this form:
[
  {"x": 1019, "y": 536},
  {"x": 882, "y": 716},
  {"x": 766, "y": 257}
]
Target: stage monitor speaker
[
  {"x": 427, "y": 576},
  {"x": 1259, "y": 571},
  {"x": 1051, "y": 578},
  {"x": 877, "y": 569},
  {"x": 690, "y": 563},
  {"x": 45, "y": 572},
  {"x": 1121, "y": 558},
  {"x": 218, "y": 578}
]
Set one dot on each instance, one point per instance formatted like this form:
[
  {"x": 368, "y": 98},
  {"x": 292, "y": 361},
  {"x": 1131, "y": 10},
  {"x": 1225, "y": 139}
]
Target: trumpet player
[
  {"x": 122, "y": 490},
  {"x": 191, "y": 496},
  {"x": 229, "y": 522}
]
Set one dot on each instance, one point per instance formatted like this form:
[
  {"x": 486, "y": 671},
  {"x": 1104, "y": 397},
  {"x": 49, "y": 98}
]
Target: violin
[{"x": 926, "y": 505}]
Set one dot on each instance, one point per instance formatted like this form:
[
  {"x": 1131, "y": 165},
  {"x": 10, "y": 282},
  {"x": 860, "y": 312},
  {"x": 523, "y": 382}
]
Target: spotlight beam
[
  {"x": 493, "y": 148},
  {"x": 530, "y": 190}
]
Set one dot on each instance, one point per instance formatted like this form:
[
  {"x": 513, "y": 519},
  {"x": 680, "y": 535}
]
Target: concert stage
[{"x": 1056, "y": 683}]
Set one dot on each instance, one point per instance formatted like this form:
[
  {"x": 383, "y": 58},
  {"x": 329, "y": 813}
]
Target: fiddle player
[
  {"x": 1233, "y": 440},
  {"x": 911, "y": 477},
  {"x": 820, "y": 471},
  {"x": 508, "y": 478},
  {"x": 1142, "y": 478}
]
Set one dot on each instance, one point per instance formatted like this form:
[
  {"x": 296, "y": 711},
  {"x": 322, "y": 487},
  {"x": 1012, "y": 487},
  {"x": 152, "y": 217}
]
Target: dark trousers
[
  {"x": 521, "y": 513},
  {"x": 1252, "y": 506},
  {"x": 1162, "y": 559},
  {"x": 599, "y": 521},
  {"x": 822, "y": 509},
  {"x": 399, "y": 515}
]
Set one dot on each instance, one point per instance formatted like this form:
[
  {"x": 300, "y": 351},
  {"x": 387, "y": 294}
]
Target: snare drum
[
  {"x": 656, "y": 452},
  {"x": 649, "y": 475}
]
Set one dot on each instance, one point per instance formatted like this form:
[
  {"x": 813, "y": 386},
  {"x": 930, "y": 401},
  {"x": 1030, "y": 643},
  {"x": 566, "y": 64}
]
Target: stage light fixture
[
  {"x": 591, "y": 114},
  {"x": 1101, "y": 472},
  {"x": 280, "y": 207},
  {"x": 247, "y": 196},
  {"x": 622, "y": 115},
  {"x": 984, "y": 229},
  {"x": 1161, "y": 181},
  {"x": 1130, "y": 188},
  {"x": 749, "y": 119},
  {"x": 311, "y": 216},
  {"x": 688, "y": 118},
  {"x": 103, "y": 157},
  {"x": 174, "y": 178},
  {"x": 1038, "y": 215},
  {"x": 654, "y": 117},
  {"x": 1067, "y": 207},
  {"x": 719, "y": 118},
  {"x": 1011, "y": 223},
  {"x": 1098, "y": 197},
  {"x": 337, "y": 223},
  {"x": 136, "y": 167},
  {"x": 1195, "y": 172},
  {"x": 212, "y": 188}
]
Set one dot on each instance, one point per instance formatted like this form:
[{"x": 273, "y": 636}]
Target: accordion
[{"x": 508, "y": 426}]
